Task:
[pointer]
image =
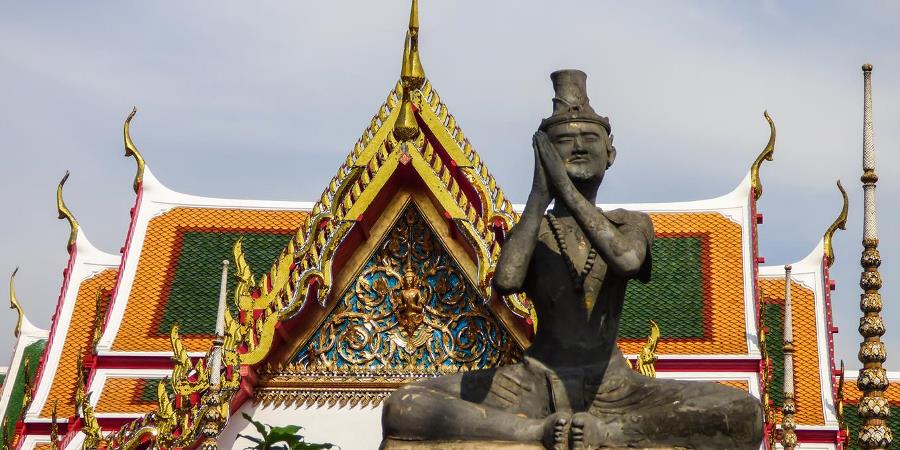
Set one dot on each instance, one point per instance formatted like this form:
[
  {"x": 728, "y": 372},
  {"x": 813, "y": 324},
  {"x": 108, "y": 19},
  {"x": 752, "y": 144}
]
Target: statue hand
[
  {"x": 554, "y": 167},
  {"x": 540, "y": 191}
]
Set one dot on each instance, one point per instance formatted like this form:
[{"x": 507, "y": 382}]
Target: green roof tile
[
  {"x": 193, "y": 294},
  {"x": 673, "y": 298}
]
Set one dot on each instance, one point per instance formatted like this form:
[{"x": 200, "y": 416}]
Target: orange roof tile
[
  {"x": 740, "y": 384},
  {"x": 852, "y": 394},
  {"x": 126, "y": 396},
  {"x": 148, "y": 296},
  {"x": 808, "y": 391},
  {"x": 723, "y": 284},
  {"x": 77, "y": 339}
]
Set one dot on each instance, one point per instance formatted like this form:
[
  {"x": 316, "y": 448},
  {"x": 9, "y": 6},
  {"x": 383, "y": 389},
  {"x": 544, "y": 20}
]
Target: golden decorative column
[
  {"x": 788, "y": 407},
  {"x": 873, "y": 408}
]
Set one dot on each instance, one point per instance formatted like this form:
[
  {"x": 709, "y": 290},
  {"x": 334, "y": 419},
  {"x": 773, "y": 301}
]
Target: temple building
[{"x": 312, "y": 312}]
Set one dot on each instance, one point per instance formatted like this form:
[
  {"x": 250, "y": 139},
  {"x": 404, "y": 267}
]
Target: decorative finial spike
[
  {"x": 414, "y": 16},
  {"x": 789, "y": 407},
  {"x": 65, "y": 213},
  {"x": 839, "y": 223},
  {"x": 131, "y": 150},
  {"x": 412, "y": 73},
  {"x": 14, "y": 302},
  {"x": 874, "y": 409},
  {"x": 412, "y": 77},
  {"x": 766, "y": 155}
]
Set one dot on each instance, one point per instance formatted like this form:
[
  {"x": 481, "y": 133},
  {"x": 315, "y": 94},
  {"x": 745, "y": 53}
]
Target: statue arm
[
  {"x": 515, "y": 258},
  {"x": 625, "y": 249}
]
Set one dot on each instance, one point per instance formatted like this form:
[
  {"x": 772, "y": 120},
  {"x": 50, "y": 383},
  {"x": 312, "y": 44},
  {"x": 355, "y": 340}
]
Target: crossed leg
[
  {"x": 510, "y": 403},
  {"x": 696, "y": 415}
]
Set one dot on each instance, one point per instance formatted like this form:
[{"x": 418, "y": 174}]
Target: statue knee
[
  {"x": 748, "y": 414},
  {"x": 402, "y": 408},
  {"x": 398, "y": 403}
]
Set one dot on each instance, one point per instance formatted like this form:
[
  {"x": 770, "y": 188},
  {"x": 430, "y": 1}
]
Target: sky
[{"x": 263, "y": 100}]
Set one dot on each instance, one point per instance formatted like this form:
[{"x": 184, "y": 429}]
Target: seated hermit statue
[{"x": 574, "y": 389}]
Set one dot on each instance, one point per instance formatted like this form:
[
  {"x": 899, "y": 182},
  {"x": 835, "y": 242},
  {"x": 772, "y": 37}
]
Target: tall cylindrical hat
[{"x": 571, "y": 103}]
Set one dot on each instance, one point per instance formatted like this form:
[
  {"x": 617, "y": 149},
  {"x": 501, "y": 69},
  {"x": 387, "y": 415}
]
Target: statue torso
[{"x": 575, "y": 326}]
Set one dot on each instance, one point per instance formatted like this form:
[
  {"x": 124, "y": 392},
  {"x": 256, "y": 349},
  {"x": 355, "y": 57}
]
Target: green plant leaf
[{"x": 260, "y": 428}]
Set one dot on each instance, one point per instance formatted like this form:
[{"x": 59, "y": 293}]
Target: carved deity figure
[
  {"x": 574, "y": 389},
  {"x": 410, "y": 312}
]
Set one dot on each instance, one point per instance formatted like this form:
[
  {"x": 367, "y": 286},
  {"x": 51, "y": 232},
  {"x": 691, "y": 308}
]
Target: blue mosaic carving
[{"x": 411, "y": 310}]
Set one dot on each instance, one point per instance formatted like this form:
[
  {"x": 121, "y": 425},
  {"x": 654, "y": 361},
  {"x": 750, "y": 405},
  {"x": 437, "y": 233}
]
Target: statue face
[{"x": 585, "y": 149}]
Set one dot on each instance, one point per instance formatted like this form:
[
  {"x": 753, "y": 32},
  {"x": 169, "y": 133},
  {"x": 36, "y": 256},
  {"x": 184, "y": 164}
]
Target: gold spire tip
[
  {"x": 414, "y": 15},
  {"x": 65, "y": 213},
  {"x": 131, "y": 150},
  {"x": 412, "y": 74},
  {"x": 412, "y": 77},
  {"x": 14, "y": 302}
]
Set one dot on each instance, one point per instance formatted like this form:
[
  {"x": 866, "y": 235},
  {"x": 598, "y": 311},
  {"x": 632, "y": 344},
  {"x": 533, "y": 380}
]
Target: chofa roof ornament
[
  {"x": 131, "y": 150},
  {"x": 14, "y": 302},
  {"x": 766, "y": 155},
  {"x": 65, "y": 213},
  {"x": 839, "y": 223}
]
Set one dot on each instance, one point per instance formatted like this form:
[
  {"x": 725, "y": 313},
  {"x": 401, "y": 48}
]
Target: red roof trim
[
  {"x": 126, "y": 250},
  {"x": 67, "y": 275}
]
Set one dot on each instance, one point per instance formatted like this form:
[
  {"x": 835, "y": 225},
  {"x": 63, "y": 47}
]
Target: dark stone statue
[{"x": 574, "y": 388}]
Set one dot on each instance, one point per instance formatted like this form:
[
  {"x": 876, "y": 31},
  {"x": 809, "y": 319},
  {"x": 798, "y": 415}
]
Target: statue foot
[
  {"x": 556, "y": 431},
  {"x": 577, "y": 432},
  {"x": 589, "y": 432}
]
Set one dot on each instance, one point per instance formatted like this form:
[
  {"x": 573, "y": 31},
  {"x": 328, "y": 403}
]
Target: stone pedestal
[{"x": 391, "y": 444}]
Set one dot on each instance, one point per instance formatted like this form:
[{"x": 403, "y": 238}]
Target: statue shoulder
[{"x": 632, "y": 219}]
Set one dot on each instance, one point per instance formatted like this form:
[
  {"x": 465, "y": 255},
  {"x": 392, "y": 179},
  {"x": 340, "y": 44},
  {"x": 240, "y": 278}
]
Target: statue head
[
  {"x": 410, "y": 279},
  {"x": 580, "y": 135}
]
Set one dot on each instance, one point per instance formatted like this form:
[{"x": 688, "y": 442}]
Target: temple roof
[
  {"x": 813, "y": 363},
  {"x": 88, "y": 279},
  {"x": 171, "y": 263}
]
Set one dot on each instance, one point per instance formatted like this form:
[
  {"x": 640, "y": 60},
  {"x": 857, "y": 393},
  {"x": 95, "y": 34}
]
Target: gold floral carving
[
  {"x": 191, "y": 416},
  {"x": 410, "y": 309},
  {"x": 93, "y": 437},
  {"x": 766, "y": 371}
]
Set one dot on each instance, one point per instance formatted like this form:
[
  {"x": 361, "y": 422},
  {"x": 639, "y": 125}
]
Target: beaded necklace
[{"x": 577, "y": 276}]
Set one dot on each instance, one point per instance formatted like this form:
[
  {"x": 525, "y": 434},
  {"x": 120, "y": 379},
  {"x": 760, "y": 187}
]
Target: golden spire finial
[
  {"x": 131, "y": 150},
  {"x": 14, "y": 302},
  {"x": 840, "y": 222},
  {"x": 412, "y": 71},
  {"x": 766, "y": 155},
  {"x": 412, "y": 77},
  {"x": 64, "y": 212}
]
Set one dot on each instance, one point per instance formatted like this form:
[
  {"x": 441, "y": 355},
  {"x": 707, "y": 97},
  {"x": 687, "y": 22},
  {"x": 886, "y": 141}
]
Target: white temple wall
[{"x": 351, "y": 428}]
